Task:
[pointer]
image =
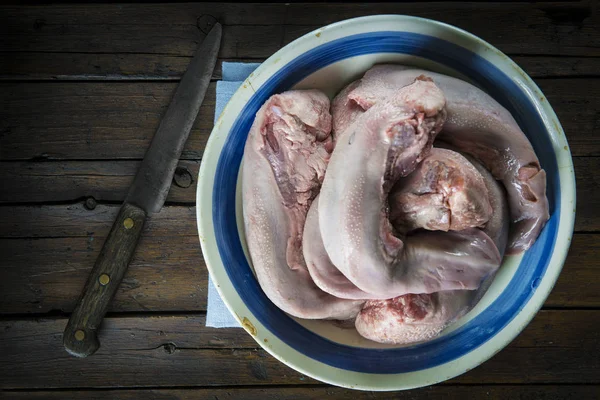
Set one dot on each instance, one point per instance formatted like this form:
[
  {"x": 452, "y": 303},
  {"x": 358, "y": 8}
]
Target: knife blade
[{"x": 146, "y": 195}]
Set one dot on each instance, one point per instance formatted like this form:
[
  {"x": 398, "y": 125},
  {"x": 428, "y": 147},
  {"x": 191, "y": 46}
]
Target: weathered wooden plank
[
  {"x": 170, "y": 39},
  {"x": 168, "y": 272},
  {"x": 576, "y": 286},
  {"x": 569, "y": 106},
  {"x": 140, "y": 333},
  {"x": 303, "y": 13},
  {"x": 65, "y": 181},
  {"x": 88, "y": 66},
  {"x": 557, "y": 347},
  {"x": 547, "y": 66},
  {"x": 439, "y": 392},
  {"x": 588, "y": 193},
  {"x": 101, "y": 66},
  {"x": 254, "y": 30},
  {"x": 108, "y": 120},
  {"x": 143, "y": 14},
  {"x": 552, "y": 23},
  {"x": 114, "y": 120},
  {"x": 81, "y": 220}
]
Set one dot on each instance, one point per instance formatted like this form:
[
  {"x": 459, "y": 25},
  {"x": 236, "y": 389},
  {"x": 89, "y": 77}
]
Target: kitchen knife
[{"x": 146, "y": 195}]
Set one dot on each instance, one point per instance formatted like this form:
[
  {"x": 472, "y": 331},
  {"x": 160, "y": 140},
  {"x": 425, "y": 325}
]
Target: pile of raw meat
[{"x": 392, "y": 206}]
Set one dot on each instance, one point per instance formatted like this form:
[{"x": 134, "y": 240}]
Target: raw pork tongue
[
  {"x": 411, "y": 318},
  {"x": 418, "y": 317},
  {"x": 285, "y": 158},
  {"x": 445, "y": 192},
  {"x": 323, "y": 272},
  {"x": 387, "y": 142},
  {"x": 476, "y": 125}
]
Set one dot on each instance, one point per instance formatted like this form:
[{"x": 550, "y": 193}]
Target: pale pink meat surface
[
  {"x": 385, "y": 143},
  {"x": 476, "y": 125},
  {"x": 345, "y": 110},
  {"x": 325, "y": 275},
  {"x": 416, "y": 318},
  {"x": 285, "y": 158},
  {"x": 497, "y": 226},
  {"x": 411, "y": 318},
  {"x": 457, "y": 189},
  {"x": 417, "y": 232},
  {"x": 445, "y": 192}
]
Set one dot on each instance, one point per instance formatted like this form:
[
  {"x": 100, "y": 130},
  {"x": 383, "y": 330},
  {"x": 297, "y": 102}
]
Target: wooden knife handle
[{"x": 80, "y": 336}]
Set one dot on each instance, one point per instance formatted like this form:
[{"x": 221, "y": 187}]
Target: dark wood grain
[
  {"x": 588, "y": 193},
  {"x": 38, "y": 182},
  {"x": 578, "y": 283},
  {"x": 521, "y": 28},
  {"x": 140, "y": 333},
  {"x": 102, "y": 120},
  {"x": 114, "y": 120},
  {"x": 78, "y": 220},
  {"x": 557, "y": 347},
  {"x": 490, "y": 392},
  {"x": 103, "y": 281},
  {"x": 168, "y": 273},
  {"x": 569, "y": 103},
  {"x": 121, "y": 36},
  {"x": 139, "y": 67}
]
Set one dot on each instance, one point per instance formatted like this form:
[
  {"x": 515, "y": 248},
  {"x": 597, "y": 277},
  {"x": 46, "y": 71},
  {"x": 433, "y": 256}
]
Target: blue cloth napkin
[{"x": 234, "y": 74}]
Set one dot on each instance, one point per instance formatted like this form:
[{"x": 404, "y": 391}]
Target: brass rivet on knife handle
[
  {"x": 80, "y": 336},
  {"x": 128, "y": 223},
  {"x": 104, "y": 279}
]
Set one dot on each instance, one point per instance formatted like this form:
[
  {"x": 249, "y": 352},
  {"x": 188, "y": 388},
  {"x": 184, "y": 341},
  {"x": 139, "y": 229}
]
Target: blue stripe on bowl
[{"x": 447, "y": 348}]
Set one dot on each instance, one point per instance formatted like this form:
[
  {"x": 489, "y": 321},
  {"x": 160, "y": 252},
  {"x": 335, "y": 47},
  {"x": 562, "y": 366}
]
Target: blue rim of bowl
[{"x": 421, "y": 356}]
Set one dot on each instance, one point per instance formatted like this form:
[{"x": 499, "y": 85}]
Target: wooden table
[{"x": 82, "y": 91}]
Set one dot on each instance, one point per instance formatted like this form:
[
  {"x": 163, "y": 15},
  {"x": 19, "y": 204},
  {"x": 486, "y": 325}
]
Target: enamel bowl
[{"x": 327, "y": 59}]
